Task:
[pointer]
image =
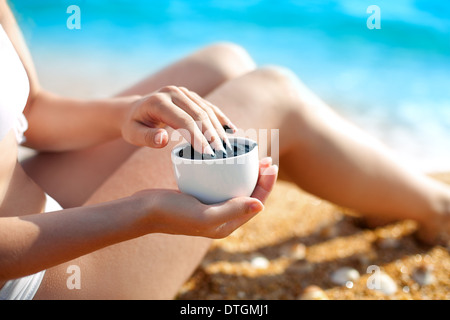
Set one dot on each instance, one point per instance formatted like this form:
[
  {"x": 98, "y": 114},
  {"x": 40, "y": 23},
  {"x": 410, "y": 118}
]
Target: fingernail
[
  {"x": 267, "y": 160},
  {"x": 227, "y": 144},
  {"x": 218, "y": 146},
  {"x": 222, "y": 149},
  {"x": 210, "y": 151},
  {"x": 255, "y": 207},
  {"x": 229, "y": 127},
  {"x": 275, "y": 168},
  {"x": 269, "y": 171},
  {"x": 233, "y": 127},
  {"x": 159, "y": 138}
]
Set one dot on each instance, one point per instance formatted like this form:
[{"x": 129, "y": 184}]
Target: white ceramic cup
[{"x": 217, "y": 180}]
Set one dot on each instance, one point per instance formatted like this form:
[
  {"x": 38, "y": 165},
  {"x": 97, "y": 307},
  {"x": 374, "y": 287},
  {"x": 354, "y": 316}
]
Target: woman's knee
[
  {"x": 280, "y": 85},
  {"x": 229, "y": 60},
  {"x": 281, "y": 77},
  {"x": 291, "y": 93}
]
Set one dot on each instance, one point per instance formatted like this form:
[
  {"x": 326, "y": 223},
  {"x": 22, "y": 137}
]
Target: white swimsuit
[{"x": 14, "y": 91}]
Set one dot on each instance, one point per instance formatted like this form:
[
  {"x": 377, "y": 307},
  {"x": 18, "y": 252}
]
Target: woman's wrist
[
  {"x": 126, "y": 218},
  {"x": 143, "y": 206},
  {"x": 118, "y": 110}
]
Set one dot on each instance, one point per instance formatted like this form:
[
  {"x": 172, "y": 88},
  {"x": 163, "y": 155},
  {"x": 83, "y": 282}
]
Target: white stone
[
  {"x": 295, "y": 251},
  {"x": 424, "y": 275},
  {"x": 313, "y": 293},
  {"x": 383, "y": 282},
  {"x": 342, "y": 275},
  {"x": 388, "y": 243},
  {"x": 260, "y": 262}
]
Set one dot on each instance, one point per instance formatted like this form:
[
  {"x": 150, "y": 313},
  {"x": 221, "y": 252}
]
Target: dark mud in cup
[{"x": 237, "y": 149}]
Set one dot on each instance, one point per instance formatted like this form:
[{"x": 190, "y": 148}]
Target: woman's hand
[
  {"x": 173, "y": 212},
  {"x": 198, "y": 121}
]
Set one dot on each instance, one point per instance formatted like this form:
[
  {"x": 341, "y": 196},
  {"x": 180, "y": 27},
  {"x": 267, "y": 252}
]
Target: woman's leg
[
  {"x": 329, "y": 157},
  {"x": 200, "y": 72}
]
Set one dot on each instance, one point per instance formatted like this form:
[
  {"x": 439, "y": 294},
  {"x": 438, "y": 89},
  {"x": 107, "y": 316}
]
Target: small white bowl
[{"x": 217, "y": 180}]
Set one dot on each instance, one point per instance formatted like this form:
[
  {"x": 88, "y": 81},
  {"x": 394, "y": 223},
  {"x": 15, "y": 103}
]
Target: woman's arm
[
  {"x": 36, "y": 242},
  {"x": 59, "y": 123},
  {"x": 39, "y": 241}
]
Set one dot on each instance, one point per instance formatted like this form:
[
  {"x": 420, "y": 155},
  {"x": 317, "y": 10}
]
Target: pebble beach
[{"x": 303, "y": 248}]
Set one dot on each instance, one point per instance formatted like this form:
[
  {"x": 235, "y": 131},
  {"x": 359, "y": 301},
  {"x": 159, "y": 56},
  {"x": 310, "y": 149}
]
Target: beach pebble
[
  {"x": 259, "y": 262},
  {"x": 423, "y": 275},
  {"x": 382, "y": 282},
  {"x": 364, "y": 260},
  {"x": 388, "y": 243},
  {"x": 295, "y": 251},
  {"x": 300, "y": 267},
  {"x": 330, "y": 231},
  {"x": 343, "y": 275},
  {"x": 313, "y": 293}
]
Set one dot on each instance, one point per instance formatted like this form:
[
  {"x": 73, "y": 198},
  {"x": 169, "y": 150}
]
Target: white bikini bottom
[{"x": 25, "y": 288}]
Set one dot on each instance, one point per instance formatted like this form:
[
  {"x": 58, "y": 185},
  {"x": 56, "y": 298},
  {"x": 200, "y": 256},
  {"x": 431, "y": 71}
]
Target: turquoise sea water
[{"x": 394, "y": 81}]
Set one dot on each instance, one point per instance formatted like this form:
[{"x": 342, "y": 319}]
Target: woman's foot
[{"x": 436, "y": 231}]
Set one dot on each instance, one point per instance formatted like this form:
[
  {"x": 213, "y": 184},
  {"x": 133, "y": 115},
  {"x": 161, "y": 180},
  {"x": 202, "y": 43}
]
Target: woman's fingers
[
  {"x": 142, "y": 135},
  {"x": 219, "y": 220},
  {"x": 264, "y": 163},
  {"x": 223, "y": 119},
  {"x": 177, "y": 213},
  {"x": 230, "y": 215},
  {"x": 197, "y": 120},
  {"x": 206, "y": 106},
  {"x": 267, "y": 177},
  {"x": 227, "y": 228},
  {"x": 160, "y": 108},
  {"x": 199, "y": 112},
  {"x": 233, "y": 209}
]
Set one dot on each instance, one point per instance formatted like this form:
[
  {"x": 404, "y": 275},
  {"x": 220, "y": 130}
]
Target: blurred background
[{"x": 394, "y": 82}]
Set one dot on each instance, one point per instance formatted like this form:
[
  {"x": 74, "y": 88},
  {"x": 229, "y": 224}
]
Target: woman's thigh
[{"x": 150, "y": 267}]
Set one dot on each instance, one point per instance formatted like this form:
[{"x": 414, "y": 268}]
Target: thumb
[
  {"x": 142, "y": 135},
  {"x": 240, "y": 210},
  {"x": 157, "y": 138},
  {"x": 236, "y": 208}
]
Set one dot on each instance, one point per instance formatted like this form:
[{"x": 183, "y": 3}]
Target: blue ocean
[{"x": 392, "y": 80}]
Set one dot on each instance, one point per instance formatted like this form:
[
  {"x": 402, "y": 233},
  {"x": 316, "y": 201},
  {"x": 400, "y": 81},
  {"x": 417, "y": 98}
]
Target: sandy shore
[{"x": 293, "y": 248}]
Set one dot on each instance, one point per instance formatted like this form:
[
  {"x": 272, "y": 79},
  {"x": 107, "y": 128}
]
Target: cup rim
[{"x": 176, "y": 150}]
